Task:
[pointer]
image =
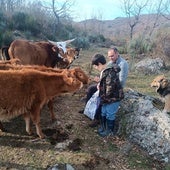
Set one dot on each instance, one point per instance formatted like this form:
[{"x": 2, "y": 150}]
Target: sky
[
  {"x": 99, "y": 9},
  {"x": 103, "y": 9}
]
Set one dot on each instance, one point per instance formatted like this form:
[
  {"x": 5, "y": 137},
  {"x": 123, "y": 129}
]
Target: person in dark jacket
[
  {"x": 114, "y": 58},
  {"x": 110, "y": 93}
]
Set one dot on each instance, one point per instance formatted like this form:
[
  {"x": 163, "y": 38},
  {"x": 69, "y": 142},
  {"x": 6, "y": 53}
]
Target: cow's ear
[
  {"x": 67, "y": 79},
  {"x": 66, "y": 72},
  {"x": 55, "y": 49}
]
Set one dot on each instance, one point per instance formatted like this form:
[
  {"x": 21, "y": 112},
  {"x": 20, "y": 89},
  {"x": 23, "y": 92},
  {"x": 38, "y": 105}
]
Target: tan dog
[{"x": 162, "y": 85}]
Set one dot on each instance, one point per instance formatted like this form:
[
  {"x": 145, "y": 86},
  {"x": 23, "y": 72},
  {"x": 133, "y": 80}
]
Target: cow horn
[
  {"x": 69, "y": 41},
  {"x": 62, "y": 44},
  {"x": 53, "y": 42}
]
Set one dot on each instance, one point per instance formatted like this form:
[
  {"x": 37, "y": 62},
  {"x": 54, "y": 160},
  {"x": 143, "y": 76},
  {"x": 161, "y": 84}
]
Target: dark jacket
[{"x": 110, "y": 87}]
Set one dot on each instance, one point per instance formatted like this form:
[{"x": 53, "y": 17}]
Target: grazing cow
[
  {"x": 34, "y": 53},
  {"x": 24, "y": 92},
  {"x": 162, "y": 85},
  {"x": 77, "y": 72}
]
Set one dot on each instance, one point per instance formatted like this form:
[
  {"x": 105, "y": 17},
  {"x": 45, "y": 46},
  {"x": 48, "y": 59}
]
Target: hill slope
[{"x": 120, "y": 27}]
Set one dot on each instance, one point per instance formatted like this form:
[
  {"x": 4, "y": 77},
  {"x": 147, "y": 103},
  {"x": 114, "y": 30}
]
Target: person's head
[
  {"x": 98, "y": 61},
  {"x": 113, "y": 54}
]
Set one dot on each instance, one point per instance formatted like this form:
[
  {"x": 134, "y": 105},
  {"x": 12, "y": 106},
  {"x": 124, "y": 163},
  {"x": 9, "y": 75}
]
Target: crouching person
[{"x": 110, "y": 93}]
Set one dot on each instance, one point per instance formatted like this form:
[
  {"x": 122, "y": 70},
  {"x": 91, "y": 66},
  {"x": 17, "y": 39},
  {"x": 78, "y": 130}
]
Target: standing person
[
  {"x": 114, "y": 57},
  {"x": 110, "y": 93}
]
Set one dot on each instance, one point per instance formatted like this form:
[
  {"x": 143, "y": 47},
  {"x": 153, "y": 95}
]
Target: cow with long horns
[{"x": 38, "y": 53}]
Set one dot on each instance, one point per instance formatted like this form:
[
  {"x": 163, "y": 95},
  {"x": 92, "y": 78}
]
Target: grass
[{"x": 137, "y": 160}]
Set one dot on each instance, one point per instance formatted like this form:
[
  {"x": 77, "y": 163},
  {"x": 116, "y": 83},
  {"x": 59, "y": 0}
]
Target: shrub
[
  {"x": 140, "y": 46},
  {"x": 162, "y": 41},
  {"x": 82, "y": 42},
  {"x": 96, "y": 38},
  {"x": 7, "y": 38}
]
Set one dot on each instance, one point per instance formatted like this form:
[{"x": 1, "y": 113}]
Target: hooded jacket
[{"x": 110, "y": 87}]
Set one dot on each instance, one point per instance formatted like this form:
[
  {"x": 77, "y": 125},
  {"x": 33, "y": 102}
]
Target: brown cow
[
  {"x": 26, "y": 91},
  {"x": 12, "y": 62},
  {"x": 49, "y": 53},
  {"x": 70, "y": 55},
  {"x": 34, "y": 53},
  {"x": 77, "y": 72}
]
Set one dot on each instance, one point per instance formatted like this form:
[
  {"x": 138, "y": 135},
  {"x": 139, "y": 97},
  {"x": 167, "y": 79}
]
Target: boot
[
  {"x": 102, "y": 124},
  {"x": 94, "y": 123},
  {"x": 109, "y": 128}
]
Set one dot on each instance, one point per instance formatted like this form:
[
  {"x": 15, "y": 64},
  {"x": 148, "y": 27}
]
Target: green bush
[
  {"x": 140, "y": 46},
  {"x": 24, "y": 22},
  {"x": 82, "y": 42},
  {"x": 7, "y": 38},
  {"x": 2, "y": 21},
  {"x": 96, "y": 38}
]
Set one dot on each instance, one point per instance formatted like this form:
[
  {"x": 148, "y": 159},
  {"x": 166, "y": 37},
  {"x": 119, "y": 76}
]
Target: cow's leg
[
  {"x": 27, "y": 123},
  {"x": 50, "y": 106},
  {"x": 35, "y": 117}
]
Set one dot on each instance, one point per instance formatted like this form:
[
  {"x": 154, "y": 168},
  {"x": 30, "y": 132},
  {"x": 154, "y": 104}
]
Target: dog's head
[{"x": 160, "y": 82}]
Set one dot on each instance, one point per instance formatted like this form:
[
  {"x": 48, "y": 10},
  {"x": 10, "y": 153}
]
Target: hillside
[{"x": 120, "y": 27}]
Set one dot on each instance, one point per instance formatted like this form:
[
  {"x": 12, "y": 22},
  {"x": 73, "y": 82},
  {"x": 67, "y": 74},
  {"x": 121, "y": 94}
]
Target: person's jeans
[{"x": 110, "y": 110}]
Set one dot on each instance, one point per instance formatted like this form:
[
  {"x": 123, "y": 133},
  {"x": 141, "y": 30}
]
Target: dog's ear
[{"x": 164, "y": 83}]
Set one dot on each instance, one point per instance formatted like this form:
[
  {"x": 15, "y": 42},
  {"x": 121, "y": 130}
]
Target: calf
[
  {"x": 24, "y": 92},
  {"x": 77, "y": 72}
]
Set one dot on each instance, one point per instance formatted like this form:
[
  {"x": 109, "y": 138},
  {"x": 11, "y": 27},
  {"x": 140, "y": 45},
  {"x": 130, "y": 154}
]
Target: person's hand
[
  {"x": 98, "y": 86},
  {"x": 96, "y": 79}
]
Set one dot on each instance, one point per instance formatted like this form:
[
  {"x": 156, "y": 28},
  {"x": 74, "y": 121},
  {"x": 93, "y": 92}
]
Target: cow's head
[
  {"x": 67, "y": 54},
  {"x": 62, "y": 44},
  {"x": 79, "y": 74},
  {"x": 71, "y": 54},
  {"x": 71, "y": 82}
]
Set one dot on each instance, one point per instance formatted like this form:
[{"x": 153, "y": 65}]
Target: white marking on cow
[{"x": 62, "y": 44}]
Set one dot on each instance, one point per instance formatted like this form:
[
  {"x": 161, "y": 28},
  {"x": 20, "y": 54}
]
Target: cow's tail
[{"x": 4, "y": 53}]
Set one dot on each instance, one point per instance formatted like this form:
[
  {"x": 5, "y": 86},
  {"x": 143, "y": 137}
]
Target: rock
[
  {"x": 150, "y": 66},
  {"x": 61, "y": 167},
  {"x": 146, "y": 125}
]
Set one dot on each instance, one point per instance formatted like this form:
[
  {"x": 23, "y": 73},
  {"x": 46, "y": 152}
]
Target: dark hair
[{"x": 98, "y": 58}]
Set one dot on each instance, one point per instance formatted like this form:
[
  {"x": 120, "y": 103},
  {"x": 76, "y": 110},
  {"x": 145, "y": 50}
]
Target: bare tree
[
  {"x": 133, "y": 10},
  {"x": 10, "y": 6},
  {"x": 159, "y": 8},
  {"x": 166, "y": 9},
  {"x": 59, "y": 10}
]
